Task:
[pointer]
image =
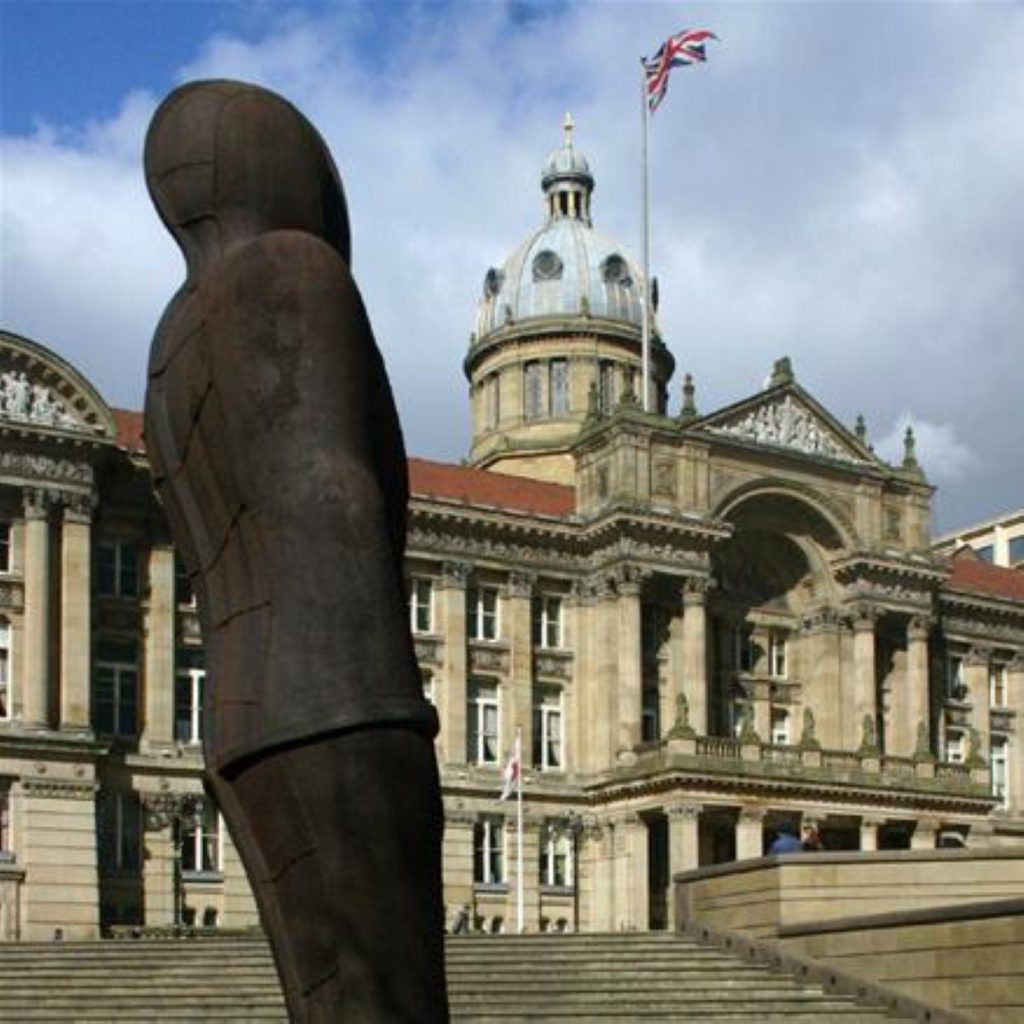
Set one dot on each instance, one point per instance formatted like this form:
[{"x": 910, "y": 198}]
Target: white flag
[{"x": 513, "y": 770}]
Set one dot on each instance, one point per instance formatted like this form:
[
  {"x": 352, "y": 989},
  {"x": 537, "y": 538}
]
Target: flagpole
[
  {"x": 645, "y": 301},
  {"x": 519, "y": 833}
]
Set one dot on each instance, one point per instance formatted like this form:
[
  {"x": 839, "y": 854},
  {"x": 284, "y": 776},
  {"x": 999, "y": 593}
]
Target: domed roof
[{"x": 565, "y": 268}]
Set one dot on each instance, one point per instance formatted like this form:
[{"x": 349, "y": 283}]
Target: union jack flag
[{"x": 686, "y": 47}]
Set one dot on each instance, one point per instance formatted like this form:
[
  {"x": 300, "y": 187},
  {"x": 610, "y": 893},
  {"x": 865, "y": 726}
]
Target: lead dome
[{"x": 566, "y": 268}]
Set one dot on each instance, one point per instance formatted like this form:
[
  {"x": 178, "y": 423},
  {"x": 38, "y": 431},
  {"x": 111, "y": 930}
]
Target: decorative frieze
[
  {"x": 488, "y": 659},
  {"x": 12, "y": 595},
  {"x": 552, "y": 665},
  {"x": 23, "y": 401},
  {"x": 43, "y": 467},
  {"x": 59, "y": 789},
  {"x": 429, "y": 651},
  {"x": 785, "y": 424}
]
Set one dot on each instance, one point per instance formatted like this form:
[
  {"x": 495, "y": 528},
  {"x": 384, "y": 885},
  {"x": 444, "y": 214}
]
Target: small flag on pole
[
  {"x": 686, "y": 47},
  {"x": 513, "y": 770}
]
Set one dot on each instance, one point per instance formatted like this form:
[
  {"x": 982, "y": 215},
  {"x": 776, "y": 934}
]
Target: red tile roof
[
  {"x": 481, "y": 487},
  {"x": 129, "y": 430},
  {"x": 972, "y": 574}
]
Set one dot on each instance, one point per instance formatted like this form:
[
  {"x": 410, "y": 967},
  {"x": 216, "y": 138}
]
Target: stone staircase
[{"x": 629, "y": 977}]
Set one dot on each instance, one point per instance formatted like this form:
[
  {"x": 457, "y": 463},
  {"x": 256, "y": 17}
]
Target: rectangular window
[
  {"x": 421, "y": 605},
  {"x": 429, "y": 686},
  {"x": 119, "y": 832},
  {"x": 955, "y": 688},
  {"x": 744, "y": 649},
  {"x": 117, "y": 568},
  {"x": 547, "y": 729},
  {"x": 489, "y": 851},
  {"x": 483, "y": 724},
  {"x": 184, "y": 595},
  {"x": 605, "y": 387},
  {"x": 997, "y": 684},
  {"x": 547, "y": 621},
  {"x": 5, "y": 669},
  {"x": 492, "y": 400},
  {"x": 777, "y": 654},
  {"x": 5, "y": 547},
  {"x": 189, "y": 683},
  {"x": 556, "y": 855},
  {"x": 1000, "y": 773},
  {"x": 986, "y": 553},
  {"x": 955, "y": 753},
  {"x": 558, "y": 387},
  {"x": 532, "y": 390},
  {"x": 200, "y": 840},
  {"x": 650, "y": 710},
  {"x": 780, "y": 727},
  {"x": 482, "y": 613},
  {"x": 1016, "y": 551},
  {"x": 5, "y": 817},
  {"x": 116, "y": 688}
]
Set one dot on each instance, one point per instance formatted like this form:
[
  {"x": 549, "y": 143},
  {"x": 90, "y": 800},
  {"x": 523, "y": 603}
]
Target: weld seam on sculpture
[{"x": 277, "y": 453}]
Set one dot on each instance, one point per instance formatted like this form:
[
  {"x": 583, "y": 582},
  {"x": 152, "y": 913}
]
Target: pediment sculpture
[{"x": 22, "y": 399}]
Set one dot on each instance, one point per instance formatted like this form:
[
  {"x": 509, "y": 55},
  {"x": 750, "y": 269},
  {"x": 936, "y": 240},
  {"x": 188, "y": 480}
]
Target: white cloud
[{"x": 863, "y": 216}]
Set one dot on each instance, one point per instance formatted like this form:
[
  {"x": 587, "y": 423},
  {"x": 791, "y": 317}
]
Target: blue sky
[{"x": 841, "y": 183}]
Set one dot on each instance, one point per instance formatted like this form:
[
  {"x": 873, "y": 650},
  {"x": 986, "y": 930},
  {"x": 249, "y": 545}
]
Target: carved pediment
[
  {"x": 39, "y": 389},
  {"x": 786, "y": 421}
]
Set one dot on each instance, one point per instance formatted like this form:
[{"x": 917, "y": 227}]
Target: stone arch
[{"x": 817, "y": 504}]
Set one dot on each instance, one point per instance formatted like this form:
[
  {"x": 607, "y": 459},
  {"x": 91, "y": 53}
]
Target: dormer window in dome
[
  {"x": 493, "y": 282},
  {"x": 615, "y": 270},
  {"x": 547, "y": 266},
  {"x": 567, "y": 181}
]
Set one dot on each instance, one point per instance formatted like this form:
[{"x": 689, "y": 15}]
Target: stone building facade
[{"x": 701, "y": 625}]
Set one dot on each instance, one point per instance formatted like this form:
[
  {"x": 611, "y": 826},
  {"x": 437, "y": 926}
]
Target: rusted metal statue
[{"x": 276, "y": 449}]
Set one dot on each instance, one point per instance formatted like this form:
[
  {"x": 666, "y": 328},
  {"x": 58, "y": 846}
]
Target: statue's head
[{"x": 227, "y": 161}]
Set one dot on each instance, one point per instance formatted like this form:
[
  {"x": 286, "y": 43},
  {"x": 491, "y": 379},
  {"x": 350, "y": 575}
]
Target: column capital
[
  {"x": 38, "y": 502},
  {"x": 752, "y": 815},
  {"x": 919, "y": 627},
  {"x": 864, "y": 618},
  {"x": 521, "y": 584},
  {"x": 1016, "y": 663},
  {"x": 455, "y": 574},
  {"x": 695, "y": 590},
  {"x": 684, "y": 812},
  {"x": 978, "y": 655},
  {"x": 79, "y": 508}
]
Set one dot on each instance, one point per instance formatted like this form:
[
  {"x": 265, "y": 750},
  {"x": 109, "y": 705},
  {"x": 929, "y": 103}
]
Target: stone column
[
  {"x": 603, "y": 725},
  {"x": 158, "y": 651},
  {"x": 631, "y": 898},
  {"x": 750, "y": 833},
  {"x": 630, "y": 663},
  {"x": 518, "y": 710},
  {"x": 864, "y": 683},
  {"x": 976, "y": 679},
  {"x": 457, "y": 862},
  {"x": 869, "y": 834},
  {"x": 451, "y": 694},
  {"x": 911, "y": 711},
  {"x": 695, "y": 658},
  {"x": 822, "y": 661},
  {"x": 531, "y": 883},
  {"x": 600, "y": 859},
  {"x": 76, "y": 613},
  {"x": 36, "y": 657},
  {"x": 157, "y": 860},
  {"x": 923, "y": 837},
  {"x": 1015, "y": 700},
  {"x": 683, "y": 848}
]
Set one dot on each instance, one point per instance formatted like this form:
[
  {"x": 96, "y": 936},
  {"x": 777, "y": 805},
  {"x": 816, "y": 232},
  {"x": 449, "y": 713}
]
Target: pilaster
[
  {"x": 864, "y": 682},
  {"x": 76, "y": 614},
  {"x": 451, "y": 694},
  {"x": 1015, "y": 700},
  {"x": 750, "y": 833},
  {"x": 869, "y": 834},
  {"x": 520, "y": 639},
  {"x": 631, "y": 880},
  {"x": 630, "y": 667},
  {"x": 695, "y": 659},
  {"x": 158, "y": 611},
  {"x": 36, "y": 657},
  {"x": 910, "y": 706},
  {"x": 683, "y": 847},
  {"x": 976, "y": 666}
]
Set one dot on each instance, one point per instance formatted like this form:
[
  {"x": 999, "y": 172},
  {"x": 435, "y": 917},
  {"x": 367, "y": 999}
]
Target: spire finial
[{"x": 568, "y": 124}]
